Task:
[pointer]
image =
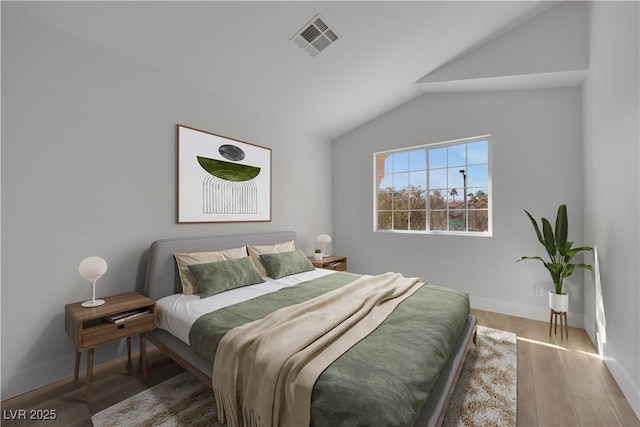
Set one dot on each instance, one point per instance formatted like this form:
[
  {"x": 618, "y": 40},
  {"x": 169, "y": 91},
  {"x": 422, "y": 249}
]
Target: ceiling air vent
[{"x": 315, "y": 36}]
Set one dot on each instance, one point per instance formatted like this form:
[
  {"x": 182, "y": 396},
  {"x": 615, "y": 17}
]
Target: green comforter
[{"x": 384, "y": 379}]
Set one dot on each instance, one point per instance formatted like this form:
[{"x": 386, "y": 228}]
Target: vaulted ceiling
[{"x": 241, "y": 53}]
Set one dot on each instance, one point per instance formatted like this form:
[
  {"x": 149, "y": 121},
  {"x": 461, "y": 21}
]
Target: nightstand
[
  {"x": 338, "y": 263},
  {"x": 89, "y": 328}
]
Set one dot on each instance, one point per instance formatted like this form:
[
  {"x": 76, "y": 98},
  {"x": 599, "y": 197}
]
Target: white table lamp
[
  {"x": 324, "y": 240},
  {"x": 92, "y": 269}
]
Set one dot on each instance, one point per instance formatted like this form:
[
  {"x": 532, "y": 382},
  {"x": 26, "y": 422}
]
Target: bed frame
[{"x": 162, "y": 280}]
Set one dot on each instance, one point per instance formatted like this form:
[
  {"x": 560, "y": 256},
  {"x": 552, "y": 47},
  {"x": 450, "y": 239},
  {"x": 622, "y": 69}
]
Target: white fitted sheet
[{"x": 177, "y": 313}]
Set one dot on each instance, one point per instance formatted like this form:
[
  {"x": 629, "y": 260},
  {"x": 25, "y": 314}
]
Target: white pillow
[
  {"x": 256, "y": 251},
  {"x": 184, "y": 260}
]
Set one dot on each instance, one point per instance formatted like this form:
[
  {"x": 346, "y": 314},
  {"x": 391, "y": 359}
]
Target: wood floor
[{"x": 560, "y": 383}]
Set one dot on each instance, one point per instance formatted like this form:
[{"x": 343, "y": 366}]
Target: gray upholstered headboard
[{"x": 162, "y": 273}]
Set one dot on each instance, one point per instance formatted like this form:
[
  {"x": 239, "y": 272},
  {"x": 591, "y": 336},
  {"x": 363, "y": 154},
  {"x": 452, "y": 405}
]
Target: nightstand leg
[
  {"x": 75, "y": 373},
  {"x": 128, "y": 352},
  {"x": 143, "y": 354},
  {"x": 89, "y": 373}
]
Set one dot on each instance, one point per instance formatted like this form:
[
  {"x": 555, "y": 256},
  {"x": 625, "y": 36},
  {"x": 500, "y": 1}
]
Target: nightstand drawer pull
[{"x": 108, "y": 332}]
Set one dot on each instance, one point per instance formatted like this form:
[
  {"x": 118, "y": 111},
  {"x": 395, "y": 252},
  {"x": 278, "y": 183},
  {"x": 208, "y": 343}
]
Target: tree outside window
[{"x": 436, "y": 188}]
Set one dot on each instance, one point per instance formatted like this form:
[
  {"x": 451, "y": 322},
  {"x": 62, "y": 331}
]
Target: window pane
[
  {"x": 385, "y": 199},
  {"x": 400, "y": 162},
  {"x": 401, "y": 199},
  {"x": 418, "y": 220},
  {"x": 457, "y": 155},
  {"x": 401, "y": 220},
  {"x": 478, "y": 152},
  {"x": 478, "y": 198},
  {"x": 456, "y": 180},
  {"x": 437, "y": 200},
  {"x": 437, "y": 179},
  {"x": 385, "y": 182},
  {"x": 438, "y": 220},
  {"x": 384, "y": 220},
  {"x": 418, "y": 160},
  {"x": 478, "y": 176},
  {"x": 455, "y": 198},
  {"x": 400, "y": 181},
  {"x": 437, "y": 158},
  {"x": 418, "y": 180},
  {"x": 417, "y": 199},
  {"x": 457, "y": 220},
  {"x": 388, "y": 163},
  {"x": 479, "y": 220}
]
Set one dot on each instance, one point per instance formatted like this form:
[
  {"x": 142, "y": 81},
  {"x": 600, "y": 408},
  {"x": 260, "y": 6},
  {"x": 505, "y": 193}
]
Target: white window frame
[{"x": 427, "y": 147}]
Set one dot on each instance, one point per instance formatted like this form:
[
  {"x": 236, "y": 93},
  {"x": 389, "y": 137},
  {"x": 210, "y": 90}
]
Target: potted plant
[
  {"x": 561, "y": 253},
  {"x": 318, "y": 255}
]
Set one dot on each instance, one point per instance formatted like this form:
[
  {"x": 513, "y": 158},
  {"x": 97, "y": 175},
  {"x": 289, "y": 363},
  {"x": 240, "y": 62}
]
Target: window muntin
[{"x": 435, "y": 188}]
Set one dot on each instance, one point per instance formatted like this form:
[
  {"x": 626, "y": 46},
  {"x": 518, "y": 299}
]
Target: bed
[{"x": 163, "y": 282}]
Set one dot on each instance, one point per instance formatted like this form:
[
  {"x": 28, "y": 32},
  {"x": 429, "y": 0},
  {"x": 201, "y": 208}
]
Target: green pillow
[
  {"x": 283, "y": 264},
  {"x": 216, "y": 277}
]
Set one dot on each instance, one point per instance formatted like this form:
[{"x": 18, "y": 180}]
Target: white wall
[
  {"x": 89, "y": 168},
  {"x": 536, "y": 165},
  {"x": 611, "y": 180},
  {"x": 554, "y": 41}
]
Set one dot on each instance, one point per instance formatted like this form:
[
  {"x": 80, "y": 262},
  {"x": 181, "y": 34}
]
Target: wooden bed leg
[{"x": 475, "y": 334}]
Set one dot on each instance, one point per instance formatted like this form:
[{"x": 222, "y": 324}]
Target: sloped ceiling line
[{"x": 549, "y": 50}]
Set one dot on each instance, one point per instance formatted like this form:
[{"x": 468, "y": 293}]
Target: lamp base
[{"x": 93, "y": 303}]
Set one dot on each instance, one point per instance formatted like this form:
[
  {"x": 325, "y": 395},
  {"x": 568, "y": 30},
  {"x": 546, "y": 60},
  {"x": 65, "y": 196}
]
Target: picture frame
[{"x": 221, "y": 179}]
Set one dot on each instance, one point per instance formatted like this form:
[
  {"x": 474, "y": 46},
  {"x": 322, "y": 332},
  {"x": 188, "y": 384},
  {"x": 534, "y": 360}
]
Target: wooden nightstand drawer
[
  {"x": 107, "y": 332},
  {"x": 337, "y": 263},
  {"x": 337, "y": 266}
]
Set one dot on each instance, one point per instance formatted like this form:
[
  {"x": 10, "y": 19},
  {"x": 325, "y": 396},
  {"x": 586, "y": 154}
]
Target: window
[{"x": 435, "y": 188}]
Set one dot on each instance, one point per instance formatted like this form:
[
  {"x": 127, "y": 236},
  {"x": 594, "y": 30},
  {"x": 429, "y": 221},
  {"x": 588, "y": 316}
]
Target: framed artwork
[{"x": 222, "y": 179}]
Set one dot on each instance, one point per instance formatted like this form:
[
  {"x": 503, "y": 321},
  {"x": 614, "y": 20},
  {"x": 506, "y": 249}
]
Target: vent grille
[
  {"x": 315, "y": 36},
  {"x": 310, "y": 34},
  {"x": 331, "y": 35},
  {"x": 321, "y": 25}
]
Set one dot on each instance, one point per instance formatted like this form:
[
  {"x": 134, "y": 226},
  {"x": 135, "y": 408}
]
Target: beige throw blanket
[{"x": 264, "y": 371}]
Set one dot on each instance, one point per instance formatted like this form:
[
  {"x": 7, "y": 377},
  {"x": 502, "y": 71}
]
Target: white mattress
[{"x": 176, "y": 313}]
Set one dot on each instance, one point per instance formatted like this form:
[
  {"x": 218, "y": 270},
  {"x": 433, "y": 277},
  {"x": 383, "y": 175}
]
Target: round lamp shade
[
  {"x": 324, "y": 239},
  {"x": 92, "y": 268}
]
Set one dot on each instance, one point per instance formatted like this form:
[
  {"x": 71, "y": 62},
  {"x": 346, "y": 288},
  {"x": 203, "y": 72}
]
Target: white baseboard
[
  {"x": 522, "y": 310},
  {"x": 625, "y": 382},
  {"x": 16, "y": 383}
]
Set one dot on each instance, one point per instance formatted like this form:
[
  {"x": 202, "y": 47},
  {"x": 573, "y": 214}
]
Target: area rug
[
  {"x": 485, "y": 394},
  {"x": 181, "y": 401}
]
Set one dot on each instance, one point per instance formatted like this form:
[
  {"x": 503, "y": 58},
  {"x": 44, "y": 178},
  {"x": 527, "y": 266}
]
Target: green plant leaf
[
  {"x": 562, "y": 227},
  {"x": 532, "y": 257},
  {"x": 535, "y": 227},
  {"x": 568, "y": 271},
  {"x": 549, "y": 241},
  {"x": 556, "y": 276},
  {"x": 571, "y": 253},
  {"x": 585, "y": 266},
  {"x": 566, "y": 248}
]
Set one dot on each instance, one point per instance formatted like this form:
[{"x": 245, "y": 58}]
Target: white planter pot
[
  {"x": 318, "y": 256},
  {"x": 559, "y": 302}
]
